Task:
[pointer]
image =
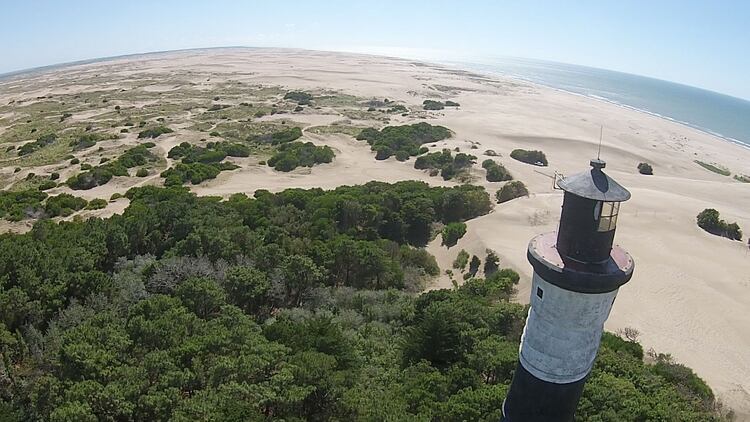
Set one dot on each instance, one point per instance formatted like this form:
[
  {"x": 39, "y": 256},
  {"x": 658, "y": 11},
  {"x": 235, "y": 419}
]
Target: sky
[{"x": 699, "y": 43}]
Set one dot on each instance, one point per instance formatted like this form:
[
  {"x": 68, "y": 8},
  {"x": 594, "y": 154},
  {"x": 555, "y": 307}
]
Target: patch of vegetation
[
  {"x": 338, "y": 100},
  {"x": 194, "y": 173},
  {"x": 452, "y": 232},
  {"x": 710, "y": 221},
  {"x": 742, "y": 178},
  {"x": 406, "y": 138},
  {"x": 714, "y": 168},
  {"x": 397, "y": 109},
  {"x": 87, "y": 140},
  {"x": 96, "y": 204},
  {"x": 40, "y": 143},
  {"x": 450, "y": 103},
  {"x": 33, "y": 181},
  {"x": 100, "y": 175},
  {"x": 217, "y": 107},
  {"x": 645, "y": 168},
  {"x": 278, "y": 137},
  {"x": 444, "y": 161},
  {"x": 142, "y": 172},
  {"x": 154, "y": 132},
  {"x": 298, "y": 154},
  {"x": 511, "y": 190},
  {"x": 496, "y": 172},
  {"x": 213, "y": 152},
  {"x": 462, "y": 260},
  {"x": 301, "y": 98},
  {"x": 491, "y": 153},
  {"x": 335, "y": 128},
  {"x": 63, "y": 205},
  {"x": 17, "y": 206},
  {"x": 432, "y": 105},
  {"x": 47, "y": 185},
  {"x": 536, "y": 158}
]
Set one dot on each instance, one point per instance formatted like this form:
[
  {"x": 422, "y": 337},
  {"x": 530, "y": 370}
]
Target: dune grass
[
  {"x": 714, "y": 168},
  {"x": 334, "y": 128}
]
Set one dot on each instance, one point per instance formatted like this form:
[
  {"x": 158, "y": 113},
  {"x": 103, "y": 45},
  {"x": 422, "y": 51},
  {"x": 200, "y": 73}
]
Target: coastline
[{"x": 457, "y": 66}]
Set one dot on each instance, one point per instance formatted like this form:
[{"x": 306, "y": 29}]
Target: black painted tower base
[{"x": 533, "y": 400}]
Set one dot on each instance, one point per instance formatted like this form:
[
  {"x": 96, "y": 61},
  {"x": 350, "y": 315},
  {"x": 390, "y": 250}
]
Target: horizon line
[{"x": 52, "y": 66}]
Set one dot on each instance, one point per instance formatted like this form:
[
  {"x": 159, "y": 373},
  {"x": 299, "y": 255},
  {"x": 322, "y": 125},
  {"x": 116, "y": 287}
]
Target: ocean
[{"x": 721, "y": 115}]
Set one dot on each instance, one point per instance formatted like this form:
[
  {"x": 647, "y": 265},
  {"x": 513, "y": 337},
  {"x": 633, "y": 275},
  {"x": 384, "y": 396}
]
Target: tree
[
  {"x": 432, "y": 105},
  {"x": 491, "y": 263},
  {"x": 710, "y": 221},
  {"x": 300, "y": 274},
  {"x": 645, "y": 168},
  {"x": 495, "y": 359},
  {"x": 248, "y": 288},
  {"x": 462, "y": 259},
  {"x": 496, "y": 172},
  {"x": 474, "y": 265},
  {"x": 511, "y": 190},
  {"x": 202, "y": 296},
  {"x": 452, "y": 232},
  {"x": 536, "y": 158},
  {"x": 437, "y": 337}
]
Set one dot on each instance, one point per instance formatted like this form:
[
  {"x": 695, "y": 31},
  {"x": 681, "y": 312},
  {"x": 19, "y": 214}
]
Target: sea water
[{"x": 718, "y": 114}]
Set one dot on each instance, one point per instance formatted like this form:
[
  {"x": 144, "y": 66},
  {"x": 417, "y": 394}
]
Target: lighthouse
[{"x": 577, "y": 273}]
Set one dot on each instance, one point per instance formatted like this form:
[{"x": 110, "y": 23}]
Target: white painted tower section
[{"x": 563, "y": 331}]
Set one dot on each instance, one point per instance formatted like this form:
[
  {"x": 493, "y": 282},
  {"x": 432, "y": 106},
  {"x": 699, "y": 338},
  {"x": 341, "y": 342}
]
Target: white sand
[{"x": 690, "y": 294}]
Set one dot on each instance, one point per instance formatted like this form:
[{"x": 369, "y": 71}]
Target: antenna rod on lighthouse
[{"x": 601, "y": 132}]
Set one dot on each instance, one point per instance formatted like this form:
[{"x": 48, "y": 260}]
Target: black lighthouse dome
[{"x": 595, "y": 184}]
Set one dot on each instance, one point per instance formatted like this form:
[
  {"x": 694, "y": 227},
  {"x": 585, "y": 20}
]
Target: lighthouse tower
[{"x": 577, "y": 272}]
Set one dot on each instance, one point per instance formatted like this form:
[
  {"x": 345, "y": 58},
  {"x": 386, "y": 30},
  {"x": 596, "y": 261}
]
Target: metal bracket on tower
[{"x": 557, "y": 178}]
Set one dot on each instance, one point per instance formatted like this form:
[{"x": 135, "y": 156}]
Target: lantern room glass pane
[{"x": 607, "y": 215}]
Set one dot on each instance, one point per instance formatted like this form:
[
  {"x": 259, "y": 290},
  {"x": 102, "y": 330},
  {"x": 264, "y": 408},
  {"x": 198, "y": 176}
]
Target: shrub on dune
[
  {"x": 511, "y": 190},
  {"x": 534, "y": 157}
]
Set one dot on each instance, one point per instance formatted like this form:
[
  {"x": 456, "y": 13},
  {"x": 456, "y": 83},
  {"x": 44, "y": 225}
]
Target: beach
[{"x": 690, "y": 293}]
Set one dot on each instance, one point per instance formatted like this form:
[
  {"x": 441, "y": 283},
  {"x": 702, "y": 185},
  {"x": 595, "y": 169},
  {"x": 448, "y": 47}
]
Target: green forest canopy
[{"x": 292, "y": 306}]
